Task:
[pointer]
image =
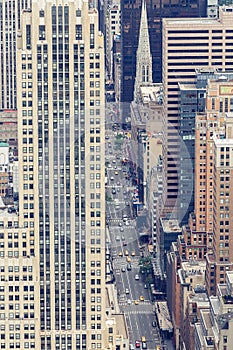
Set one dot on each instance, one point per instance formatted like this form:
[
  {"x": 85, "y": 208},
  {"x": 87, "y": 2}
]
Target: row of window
[
  {"x": 16, "y": 268},
  {"x": 16, "y": 345},
  {"x": 9, "y": 224},
  {"x": 16, "y": 278},
  {"x": 16, "y": 315},
  {"x": 16, "y": 297},
  {"x": 12, "y": 289},
  {"x": 17, "y": 306},
  {"x": 16, "y": 253}
]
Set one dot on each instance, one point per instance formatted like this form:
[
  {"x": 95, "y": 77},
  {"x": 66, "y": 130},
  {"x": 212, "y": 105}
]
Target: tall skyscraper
[
  {"x": 216, "y": 140},
  {"x": 10, "y": 12},
  {"x": 188, "y": 44},
  {"x": 130, "y": 19},
  {"x": 52, "y": 289}
]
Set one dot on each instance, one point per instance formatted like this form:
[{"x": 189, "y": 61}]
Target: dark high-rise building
[{"x": 156, "y": 10}]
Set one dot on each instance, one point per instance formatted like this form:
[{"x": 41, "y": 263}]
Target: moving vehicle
[
  {"x": 137, "y": 344},
  {"x": 133, "y": 253},
  {"x": 126, "y": 252},
  {"x": 141, "y": 298},
  {"x": 136, "y": 277},
  {"x": 129, "y": 267},
  {"x": 136, "y": 302},
  {"x": 143, "y": 339},
  {"x": 126, "y": 291}
]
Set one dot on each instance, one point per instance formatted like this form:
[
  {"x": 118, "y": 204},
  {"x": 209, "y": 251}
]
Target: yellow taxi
[
  {"x": 116, "y": 172},
  {"x": 141, "y": 298},
  {"x": 126, "y": 252},
  {"x": 133, "y": 253},
  {"x": 120, "y": 254},
  {"x": 136, "y": 302},
  {"x": 128, "y": 259}
]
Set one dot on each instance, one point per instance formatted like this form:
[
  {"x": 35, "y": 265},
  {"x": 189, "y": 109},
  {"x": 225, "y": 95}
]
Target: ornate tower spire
[{"x": 144, "y": 58}]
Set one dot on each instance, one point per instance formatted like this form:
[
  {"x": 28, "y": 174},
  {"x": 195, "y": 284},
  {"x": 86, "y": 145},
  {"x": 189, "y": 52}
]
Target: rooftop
[
  {"x": 197, "y": 266},
  {"x": 121, "y": 327},
  {"x": 225, "y": 12},
  {"x": 163, "y": 316},
  {"x": 201, "y": 299},
  {"x": 5, "y": 214},
  {"x": 171, "y": 225},
  {"x": 151, "y": 93},
  {"x": 4, "y": 144},
  {"x": 188, "y": 23},
  {"x": 183, "y": 86}
]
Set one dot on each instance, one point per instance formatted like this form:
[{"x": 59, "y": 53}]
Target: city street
[{"x": 133, "y": 294}]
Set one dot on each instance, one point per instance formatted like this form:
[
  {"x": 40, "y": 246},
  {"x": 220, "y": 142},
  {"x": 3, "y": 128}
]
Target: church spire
[{"x": 144, "y": 58}]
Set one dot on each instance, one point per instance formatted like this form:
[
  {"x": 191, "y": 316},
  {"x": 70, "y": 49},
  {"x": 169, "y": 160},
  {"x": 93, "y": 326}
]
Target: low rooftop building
[{"x": 215, "y": 329}]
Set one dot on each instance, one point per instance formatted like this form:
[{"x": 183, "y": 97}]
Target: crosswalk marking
[
  {"x": 136, "y": 312},
  {"x": 121, "y": 261},
  {"x": 134, "y": 264}
]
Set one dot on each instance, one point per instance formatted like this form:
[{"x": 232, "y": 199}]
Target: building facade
[
  {"x": 215, "y": 328},
  {"x": 221, "y": 259},
  {"x": 10, "y": 12},
  {"x": 130, "y": 19},
  {"x": 146, "y": 112},
  {"x": 113, "y": 29},
  {"x": 52, "y": 254},
  {"x": 188, "y": 44}
]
